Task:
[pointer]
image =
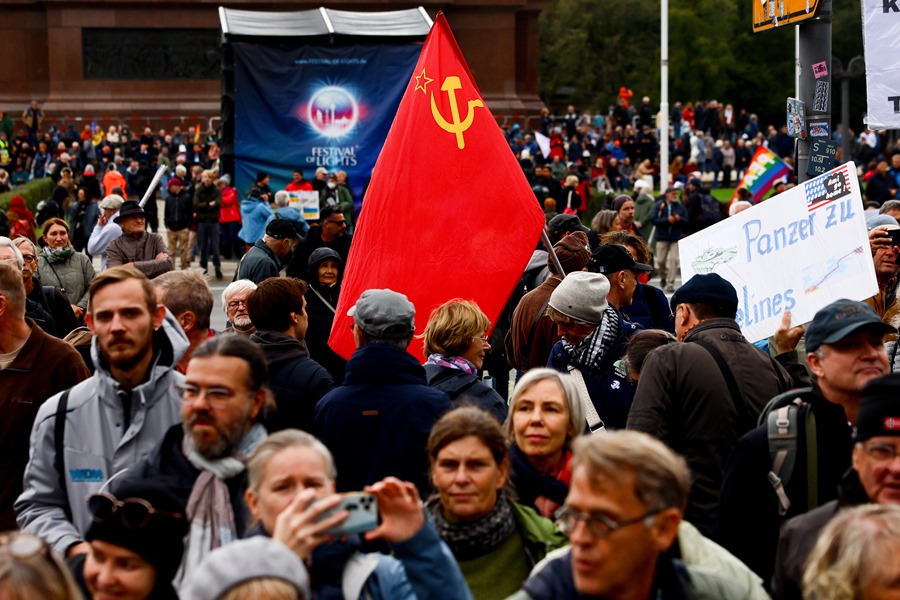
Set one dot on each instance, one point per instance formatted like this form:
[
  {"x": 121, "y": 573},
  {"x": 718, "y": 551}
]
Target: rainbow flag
[{"x": 764, "y": 171}]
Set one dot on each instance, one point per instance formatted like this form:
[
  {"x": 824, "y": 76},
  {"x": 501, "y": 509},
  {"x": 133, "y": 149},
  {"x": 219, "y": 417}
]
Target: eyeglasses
[
  {"x": 882, "y": 452},
  {"x": 134, "y": 513},
  {"x": 338, "y": 223},
  {"x": 598, "y": 524},
  {"x": 29, "y": 258},
  {"x": 216, "y": 397},
  {"x": 235, "y": 303},
  {"x": 484, "y": 340}
]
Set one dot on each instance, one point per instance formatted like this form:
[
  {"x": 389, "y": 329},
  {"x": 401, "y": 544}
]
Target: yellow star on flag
[{"x": 422, "y": 81}]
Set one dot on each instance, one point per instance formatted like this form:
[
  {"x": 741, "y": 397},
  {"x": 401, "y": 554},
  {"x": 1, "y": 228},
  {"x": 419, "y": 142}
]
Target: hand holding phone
[
  {"x": 304, "y": 523},
  {"x": 362, "y": 510}
]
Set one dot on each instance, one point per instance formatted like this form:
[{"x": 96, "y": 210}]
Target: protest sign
[
  {"x": 307, "y": 203},
  {"x": 798, "y": 251},
  {"x": 881, "y": 39}
]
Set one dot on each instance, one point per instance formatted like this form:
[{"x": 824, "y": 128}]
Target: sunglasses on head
[{"x": 134, "y": 513}]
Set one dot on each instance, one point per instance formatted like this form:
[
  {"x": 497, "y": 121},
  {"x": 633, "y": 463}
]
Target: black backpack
[{"x": 781, "y": 416}]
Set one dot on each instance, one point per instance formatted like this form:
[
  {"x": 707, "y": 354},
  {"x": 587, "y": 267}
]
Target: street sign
[
  {"x": 821, "y": 157},
  {"x": 768, "y": 14}
]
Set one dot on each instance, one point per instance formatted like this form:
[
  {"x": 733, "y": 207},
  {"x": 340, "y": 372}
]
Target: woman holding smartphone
[{"x": 291, "y": 493}]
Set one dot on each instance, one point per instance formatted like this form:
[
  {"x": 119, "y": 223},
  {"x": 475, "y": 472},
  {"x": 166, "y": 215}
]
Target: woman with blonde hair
[
  {"x": 852, "y": 558},
  {"x": 30, "y": 569},
  {"x": 456, "y": 340},
  {"x": 546, "y": 415}
]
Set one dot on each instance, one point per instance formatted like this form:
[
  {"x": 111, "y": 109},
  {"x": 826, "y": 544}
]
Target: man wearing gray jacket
[{"x": 110, "y": 421}]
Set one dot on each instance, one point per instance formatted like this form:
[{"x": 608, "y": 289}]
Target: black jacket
[
  {"x": 800, "y": 534},
  {"x": 56, "y": 305},
  {"x": 466, "y": 390},
  {"x": 748, "y": 521},
  {"x": 168, "y": 464},
  {"x": 179, "y": 211},
  {"x": 258, "y": 264},
  {"x": 378, "y": 422},
  {"x": 297, "y": 381},
  {"x": 321, "y": 318}
]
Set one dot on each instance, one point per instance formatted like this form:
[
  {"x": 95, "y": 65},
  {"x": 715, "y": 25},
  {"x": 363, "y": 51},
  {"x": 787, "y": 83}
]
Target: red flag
[{"x": 448, "y": 212}]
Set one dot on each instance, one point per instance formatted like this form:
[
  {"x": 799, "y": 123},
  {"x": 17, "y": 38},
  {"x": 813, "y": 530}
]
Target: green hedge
[{"x": 33, "y": 192}]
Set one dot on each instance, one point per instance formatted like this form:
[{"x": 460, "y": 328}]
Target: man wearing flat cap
[
  {"x": 701, "y": 396},
  {"x": 136, "y": 246},
  {"x": 875, "y": 478},
  {"x": 377, "y": 423},
  {"x": 269, "y": 255},
  {"x": 845, "y": 351}
]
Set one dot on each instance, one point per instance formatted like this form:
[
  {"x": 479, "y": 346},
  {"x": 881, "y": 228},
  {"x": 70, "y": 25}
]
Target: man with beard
[
  {"x": 203, "y": 461},
  {"x": 136, "y": 247},
  {"x": 110, "y": 421},
  {"x": 234, "y": 301}
]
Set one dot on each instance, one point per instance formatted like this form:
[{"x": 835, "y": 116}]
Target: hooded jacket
[
  {"x": 254, "y": 214},
  {"x": 297, "y": 381},
  {"x": 95, "y": 446},
  {"x": 179, "y": 212},
  {"x": 466, "y": 390}
]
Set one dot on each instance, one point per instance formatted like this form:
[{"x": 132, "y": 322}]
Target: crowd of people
[{"x": 629, "y": 442}]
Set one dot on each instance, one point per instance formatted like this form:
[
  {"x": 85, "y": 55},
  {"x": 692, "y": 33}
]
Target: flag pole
[
  {"x": 159, "y": 173},
  {"x": 553, "y": 257}
]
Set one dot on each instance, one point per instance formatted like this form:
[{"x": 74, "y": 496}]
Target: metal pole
[
  {"x": 552, "y": 252},
  {"x": 815, "y": 47},
  {"x": 797, "y": 69},
  {"x": 845, "y": 117},
  {"x": 664, "y": 98}
]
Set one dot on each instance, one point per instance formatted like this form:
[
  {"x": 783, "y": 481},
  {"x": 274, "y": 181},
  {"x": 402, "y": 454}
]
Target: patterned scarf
[
  {"x": 58, "y": 254},
  {"x": 473, "y": 539},
  {"x": 452, "y": 362},
  {"x": 209, "y": 509},
  {"x": 592, "y": 350}
]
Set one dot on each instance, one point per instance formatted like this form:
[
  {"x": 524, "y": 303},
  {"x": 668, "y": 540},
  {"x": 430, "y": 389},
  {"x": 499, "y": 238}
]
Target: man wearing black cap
[
  {"x": 845, "y": 351},
  {"x": 621, "y": 269},
  {"x": 699, "y": 397},
  {"x": 261, "y": 189},
  {"x": 562, "y": 225},
  {"x": 875, "y": 477},
  {"x": 145, "y": 251},
  {"x": 267, "y": 256},
  {"x": 377, "y": 424}
]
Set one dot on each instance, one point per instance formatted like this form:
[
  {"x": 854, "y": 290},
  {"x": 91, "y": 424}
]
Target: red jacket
[{"x": 231, "y": 208}]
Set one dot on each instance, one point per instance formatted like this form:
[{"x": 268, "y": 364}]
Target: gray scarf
[{"x": 592, "y": 350}]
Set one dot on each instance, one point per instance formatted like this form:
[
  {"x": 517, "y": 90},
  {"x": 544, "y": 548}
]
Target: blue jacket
[
  {"x": 650, "y": 309},
  {"x": 377, "y": 423},
  {"x": 613, "y": 391},
  {"x": 665, "y": 231},
  {"x": 254, "y": 215},
  {"x": 420, "y": 567}
]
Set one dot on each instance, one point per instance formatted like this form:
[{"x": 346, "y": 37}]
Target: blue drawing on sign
[
  {"x": 814, "y": 276},
  {"x": 712, "y": 258}
]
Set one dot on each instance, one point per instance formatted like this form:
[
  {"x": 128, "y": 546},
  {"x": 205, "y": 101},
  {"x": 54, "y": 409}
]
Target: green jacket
[
  {"x": 344, "y": 200},
  {"x": 539, "y": 534},
  {"x": 643, "y": 212}
]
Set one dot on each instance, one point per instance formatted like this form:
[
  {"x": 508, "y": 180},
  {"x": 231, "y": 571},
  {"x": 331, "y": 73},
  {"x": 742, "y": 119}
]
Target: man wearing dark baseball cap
[
  {"x": 620, "y": 268},
  {"x": 377, "y": 423},
  {"x": 845, "y": 351},
  {"x": 562, "y": 225},
  {"x": 269, "y": 255},
  {"x": 874, "y": 478}
]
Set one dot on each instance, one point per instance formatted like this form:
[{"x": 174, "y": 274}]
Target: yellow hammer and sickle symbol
[{"x": 457, "y": 126}]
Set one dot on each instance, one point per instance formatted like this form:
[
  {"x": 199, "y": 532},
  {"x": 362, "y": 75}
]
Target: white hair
[{"x": 235, "y": 287}]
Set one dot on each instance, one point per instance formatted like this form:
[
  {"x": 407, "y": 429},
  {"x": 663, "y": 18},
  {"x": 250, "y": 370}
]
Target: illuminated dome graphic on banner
[{"x": 333, "y": 112}]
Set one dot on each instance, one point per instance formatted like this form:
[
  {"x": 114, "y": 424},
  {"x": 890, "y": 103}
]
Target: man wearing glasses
[
  {"x": 331, "y": 232},
  {"x": 875, "y": 477},
  {"x": 621, "y": 515},
  {"x": 203, "y": 459},
  {"x": 110, "y": 421}
]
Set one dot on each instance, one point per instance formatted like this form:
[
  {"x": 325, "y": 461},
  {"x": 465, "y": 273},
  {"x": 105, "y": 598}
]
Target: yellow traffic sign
[{"x": 777, "y": 13}]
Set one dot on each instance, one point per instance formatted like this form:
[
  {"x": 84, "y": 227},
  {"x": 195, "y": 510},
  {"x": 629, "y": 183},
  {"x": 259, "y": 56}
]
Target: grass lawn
[{"x": 723, "y": 195}]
